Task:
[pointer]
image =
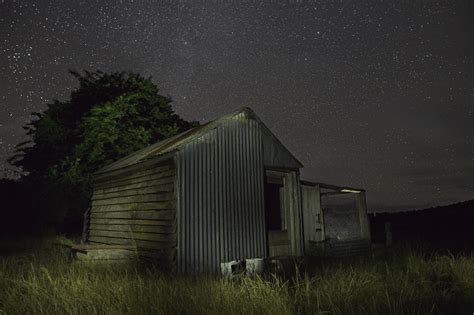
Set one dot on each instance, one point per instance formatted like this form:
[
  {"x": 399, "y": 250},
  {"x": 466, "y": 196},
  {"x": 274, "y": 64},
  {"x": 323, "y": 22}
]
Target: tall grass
[{"x": 46, "y": 280}]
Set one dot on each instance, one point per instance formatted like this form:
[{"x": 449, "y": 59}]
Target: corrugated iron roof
[{"x": 176, "y": 142}]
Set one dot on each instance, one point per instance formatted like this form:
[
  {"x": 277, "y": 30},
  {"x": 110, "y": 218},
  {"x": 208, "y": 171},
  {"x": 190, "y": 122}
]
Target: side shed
[
  {"x": 221, "y": 191},
  {"x": 340, "y": 228}
]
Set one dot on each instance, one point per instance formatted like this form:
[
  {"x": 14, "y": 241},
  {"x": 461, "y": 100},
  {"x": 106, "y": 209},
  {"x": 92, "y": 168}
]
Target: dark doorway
[{"x": 273, "y": 211}]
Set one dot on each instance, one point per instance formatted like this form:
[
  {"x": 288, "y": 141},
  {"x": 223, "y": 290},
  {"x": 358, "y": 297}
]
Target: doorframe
[{"x": 292, "y": 209}]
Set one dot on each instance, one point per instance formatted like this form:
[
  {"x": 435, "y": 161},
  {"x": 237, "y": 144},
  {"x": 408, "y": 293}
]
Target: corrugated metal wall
[{"x": 220, "y": 213}]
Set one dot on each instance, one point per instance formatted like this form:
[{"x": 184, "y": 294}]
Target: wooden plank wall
[{"x": 137, "y": 208}]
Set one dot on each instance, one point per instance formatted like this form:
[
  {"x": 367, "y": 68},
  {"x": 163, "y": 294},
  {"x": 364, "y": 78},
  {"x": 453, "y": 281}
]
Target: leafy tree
[{"x": 109, "y": 116}]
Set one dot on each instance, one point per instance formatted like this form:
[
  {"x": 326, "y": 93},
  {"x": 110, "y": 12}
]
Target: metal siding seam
[
  {"x": 258, "y": 167},
  {"x": 260, "y": 183},
  {"x": 252, "y": 188},
  {"x": 200, "y": 211},
  {"x": 192, "y": 210},
  {"x": 211, "y": 196},
  {"x": 179, "y": 227},
  {"x": 239, "y": 195},
  {"x": 182, "y": 215},
  {"x": 230, "y": 191},
  {"x": 204, "y": 206},
  {"x": 189, "y": 208},
  {"x": 182, "y": 209},
  {"x": 185, "y": 210},
  {"x": 256, "y": 206},
  {"x": 181, "y": 159},
  {"x": 206, "y": 202},
  {"x": 248, "y": 194},
  {"x": 231, "y": 188},
  {"x": 217, "y": 240},
  {"x": 243, "y": 194},
  {"x": 227, "y": 187},
  {"x": 188, "y": 195},
  {"x": 221, "y": 175},
  {"x": 204, "y": 226},
  {"x": 244, "y": 197},
  {"x": 220, "y": 207},
  {"x": 253, "y": 209},
  {"x": 249, "y": 233},
  {"x": 245, "y": 184},
  {"x": 238, "y": 192},
  {"x": 218, "y": 190},
  {"x": 210, "y": 228}
]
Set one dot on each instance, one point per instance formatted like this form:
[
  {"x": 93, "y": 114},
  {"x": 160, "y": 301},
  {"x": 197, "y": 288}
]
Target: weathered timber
[
  {"x": 131, "y": 222},
  {"x": 135, "y": 166},
  {"x": 140, "y": 215},
  {"x": 160, "y": 229},
  {"x": 98, "y": 195},
  {"x": 165, "y": 187},
  {"x": 138, "y": 243},
  {"x": 135, "y": 206},
  {"x": 86, "y": 247},
  {"x": 107, "y": 254},
  {"x": 136, "y": 235},
  {"x": 135, "y": 198},
  {"x": 168, "y": 254},
  {"x": 150, "y": 170},
  {"x": 126, "y": 181}
]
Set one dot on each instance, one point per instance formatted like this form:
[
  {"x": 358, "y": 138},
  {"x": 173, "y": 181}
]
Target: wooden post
[
  {"x": 363, "y": 217},
  {"x": 388, "y": 234}
]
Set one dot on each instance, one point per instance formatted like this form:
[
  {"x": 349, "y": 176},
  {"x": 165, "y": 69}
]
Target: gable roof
[{"x": 176, "y": 142}]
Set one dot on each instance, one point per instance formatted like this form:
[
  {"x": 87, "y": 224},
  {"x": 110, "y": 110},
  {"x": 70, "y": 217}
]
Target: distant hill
[{"x": 452, "y": 224}]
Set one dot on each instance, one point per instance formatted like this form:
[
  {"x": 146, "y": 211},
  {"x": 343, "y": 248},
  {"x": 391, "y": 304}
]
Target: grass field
[{"x": 41, "y": 278}]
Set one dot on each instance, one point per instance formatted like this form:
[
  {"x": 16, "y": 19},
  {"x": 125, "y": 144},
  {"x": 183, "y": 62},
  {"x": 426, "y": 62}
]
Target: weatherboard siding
[
  {"x": 220, "y": 197},
  {"x": 136, "y": 207}
]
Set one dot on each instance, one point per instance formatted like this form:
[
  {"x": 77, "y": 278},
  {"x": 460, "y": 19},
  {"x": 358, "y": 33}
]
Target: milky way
[{"x": 374, "y": 94}]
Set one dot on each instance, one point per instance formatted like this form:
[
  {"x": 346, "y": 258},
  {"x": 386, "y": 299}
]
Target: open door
[{"x": 282, "y": 218}]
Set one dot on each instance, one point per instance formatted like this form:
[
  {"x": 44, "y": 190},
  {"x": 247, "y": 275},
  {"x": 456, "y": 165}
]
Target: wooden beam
[
  {"x": 135, "y": 180},
  {"x": 144, "y": 187},
  {"x": 159, "y": 229},
  {"x": 133, "y": 173},
  {"x": 334, "y": 193},
  {"x": 166, "y": 197},
  {"x": 137, "y": 243},
  {"x": 140, "y": 215},
  {"x": 332, "y": 187},
  {"x": 131, "y": 222},
  {"x": 135, "y": 235},
  {"x": 134, "y": 206},
  {"x": 155, "y": 161}
]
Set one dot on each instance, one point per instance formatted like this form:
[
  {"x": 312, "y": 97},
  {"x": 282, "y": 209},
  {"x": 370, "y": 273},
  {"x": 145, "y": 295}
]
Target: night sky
[{"x": 375, "y": 94}]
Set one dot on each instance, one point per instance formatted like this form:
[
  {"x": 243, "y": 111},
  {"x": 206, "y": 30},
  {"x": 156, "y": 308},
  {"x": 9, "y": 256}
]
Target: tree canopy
[{"x": 109, "y": 115}]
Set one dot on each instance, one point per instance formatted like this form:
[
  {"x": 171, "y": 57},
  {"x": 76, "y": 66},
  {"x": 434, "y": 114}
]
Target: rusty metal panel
[{"x": 220, "y": 211}]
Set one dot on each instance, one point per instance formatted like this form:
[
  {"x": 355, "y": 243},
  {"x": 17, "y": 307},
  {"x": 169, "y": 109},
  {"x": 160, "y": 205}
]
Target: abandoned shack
[{"x": 224, "y": 190}]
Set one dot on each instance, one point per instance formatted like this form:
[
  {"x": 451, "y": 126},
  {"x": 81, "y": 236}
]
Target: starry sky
[{"x": 371, "y": 94}]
